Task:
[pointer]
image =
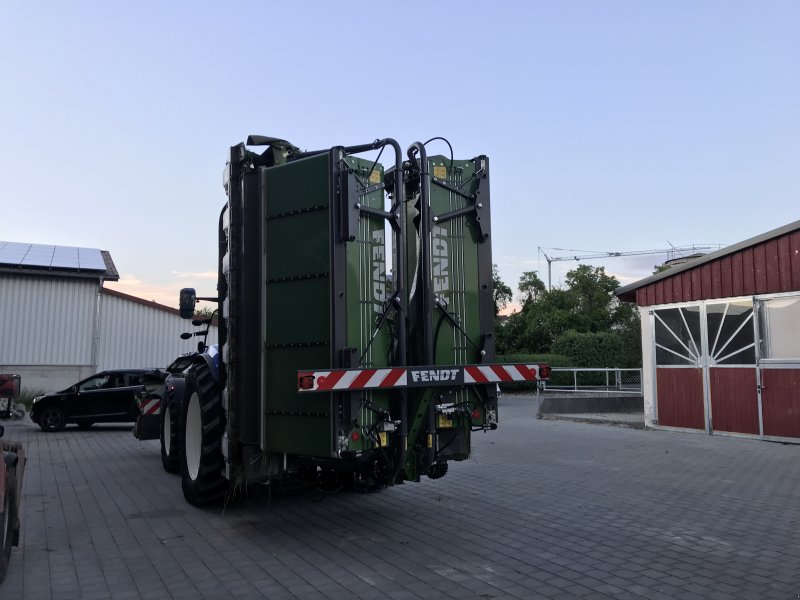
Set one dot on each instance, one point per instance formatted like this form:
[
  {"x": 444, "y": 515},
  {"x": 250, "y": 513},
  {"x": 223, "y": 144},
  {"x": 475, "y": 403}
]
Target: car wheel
[{"x": 53, "y": 419}]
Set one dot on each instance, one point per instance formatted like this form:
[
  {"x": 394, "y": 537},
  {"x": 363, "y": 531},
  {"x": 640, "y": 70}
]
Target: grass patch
[{"x": 26, "y": 398}]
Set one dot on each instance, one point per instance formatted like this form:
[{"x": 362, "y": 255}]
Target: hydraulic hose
[{"x": 424, "y": 286}]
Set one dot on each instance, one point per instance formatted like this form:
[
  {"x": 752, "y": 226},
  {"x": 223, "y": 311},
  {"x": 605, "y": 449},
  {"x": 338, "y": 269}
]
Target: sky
[{"x": 611, "y": 126}]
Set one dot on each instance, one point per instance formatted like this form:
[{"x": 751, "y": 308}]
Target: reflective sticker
[
  {"x": 375, "y": 176},
  {"x": 430, "y": 440},
  {"x": 384, "y": 437},
  {"x": 440, "y": 171},
  {"x": 400, "y": 377}
]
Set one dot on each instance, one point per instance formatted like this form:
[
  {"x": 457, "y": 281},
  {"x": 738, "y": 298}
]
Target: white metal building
[{"x": 58, "y": 324}]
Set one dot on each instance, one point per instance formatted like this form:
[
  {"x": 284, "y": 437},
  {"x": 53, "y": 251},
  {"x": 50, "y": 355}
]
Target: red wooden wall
[
  {"x": 780, "y": 402},
  {"x": 734, "y": 399},
  {"x": 767, "y": 268},
  {"x": 680, "y": 397}
]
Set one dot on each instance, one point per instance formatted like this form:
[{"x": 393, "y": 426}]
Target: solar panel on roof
[
  {"x": 38, "y": 255},
  {"x": 35, "y": 261},
  {"x": 91, "y": 259},
  {"x": 46, "y": 250},
  {"x": 65, "y": 252},
  {"x": 16, "y": 245},
  {"x": 54, "y": 257},
  {"x": 11, "y": 254}
]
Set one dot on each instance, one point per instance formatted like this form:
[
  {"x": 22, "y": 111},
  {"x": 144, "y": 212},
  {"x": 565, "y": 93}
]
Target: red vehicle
[{"x": 11, "y": 468}]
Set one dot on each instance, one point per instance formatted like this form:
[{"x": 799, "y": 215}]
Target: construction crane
[{"x": 672, "y": 252}]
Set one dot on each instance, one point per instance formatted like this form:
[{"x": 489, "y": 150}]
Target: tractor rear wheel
[
  {"x": 202, "y": 426},
  {"x": 170, "y": 442}
]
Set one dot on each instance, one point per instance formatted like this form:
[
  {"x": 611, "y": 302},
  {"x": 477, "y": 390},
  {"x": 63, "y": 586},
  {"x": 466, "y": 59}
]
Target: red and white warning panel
[
  {"x": 348, "y": 380},
  {"x": 149, "y": 406}
]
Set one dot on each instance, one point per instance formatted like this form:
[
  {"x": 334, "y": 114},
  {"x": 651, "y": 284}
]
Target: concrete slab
[{"x": 635, "y": 420}]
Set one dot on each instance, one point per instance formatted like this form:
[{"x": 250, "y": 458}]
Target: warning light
[
  {"x": 307, "y": 382},
  {"x": 544, "y": 371},
  {"x": 355, "y": 436},
  {"x": 476, "y": 414}
]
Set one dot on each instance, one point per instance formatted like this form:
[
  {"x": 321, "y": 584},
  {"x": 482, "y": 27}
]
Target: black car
[{"x": 107, "y": 397}]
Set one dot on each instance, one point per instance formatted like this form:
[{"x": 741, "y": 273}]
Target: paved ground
[{"x": 546, "y": 509}]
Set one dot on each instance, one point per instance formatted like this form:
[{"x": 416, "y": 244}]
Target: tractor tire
[
  {"x": 202, "y": 426},
  {"x": 170, "y": 438},
  {"x": 8, "y": 521},
  {"x": 53, "y": 419}
]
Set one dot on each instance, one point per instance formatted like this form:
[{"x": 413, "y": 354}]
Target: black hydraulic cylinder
[{"x": 425, "y": 283}]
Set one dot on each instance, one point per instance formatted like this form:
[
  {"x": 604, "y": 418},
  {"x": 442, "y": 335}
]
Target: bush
[
  {"x": 26, "y": 397},
  {"x": 591, "y": 350}
]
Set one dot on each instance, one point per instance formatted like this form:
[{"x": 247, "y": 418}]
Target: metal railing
[{"x": 595, "y": 381}]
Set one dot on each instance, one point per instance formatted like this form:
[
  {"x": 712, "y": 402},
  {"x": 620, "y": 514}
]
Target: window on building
[
  {"x": 677, "y": 333},
  {"x": 779, "y": 323},
  {"x": 731, "y": 336}
]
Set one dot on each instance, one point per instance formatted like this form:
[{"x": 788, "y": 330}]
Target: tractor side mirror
[{"x": 188, "y": 299}]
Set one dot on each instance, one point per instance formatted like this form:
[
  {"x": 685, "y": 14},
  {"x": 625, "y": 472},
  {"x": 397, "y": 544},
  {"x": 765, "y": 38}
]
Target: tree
[
  {"x": 531, "y": 287},
  {"x": 203, "y": 312},
  {"x": 583, "y": 320},
  {"x": 593, "y": 297},
  {"x": 501, "y": 293},
  {"x": 660, "y": 268}
]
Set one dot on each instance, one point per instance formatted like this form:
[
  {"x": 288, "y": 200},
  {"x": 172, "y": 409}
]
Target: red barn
[{"x": 721, "y": 339}]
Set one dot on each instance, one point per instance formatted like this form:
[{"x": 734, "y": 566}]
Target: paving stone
[{"x": 543, "y": 509}]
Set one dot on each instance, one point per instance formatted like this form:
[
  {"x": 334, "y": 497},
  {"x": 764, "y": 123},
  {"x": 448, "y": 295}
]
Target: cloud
[
  {"x": 205, "y": 275},
  {"x": 510, "y": 309},
  {"x": 166, "y": 294},
  {"x": 162, "y": 293}
]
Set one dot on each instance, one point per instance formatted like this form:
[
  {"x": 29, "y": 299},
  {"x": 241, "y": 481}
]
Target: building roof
[
  {"x": 628, "y": 293},
  {"x": 150, "y": 303},
  {"x": 56, "y": 261},
  {"x": 142, "y": 301}
]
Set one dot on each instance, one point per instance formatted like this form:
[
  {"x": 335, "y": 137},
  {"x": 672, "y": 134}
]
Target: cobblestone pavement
[{"x": 544, "y": 509}]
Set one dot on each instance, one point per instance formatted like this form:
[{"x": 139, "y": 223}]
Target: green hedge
[{"x": 601, "y": 349}]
